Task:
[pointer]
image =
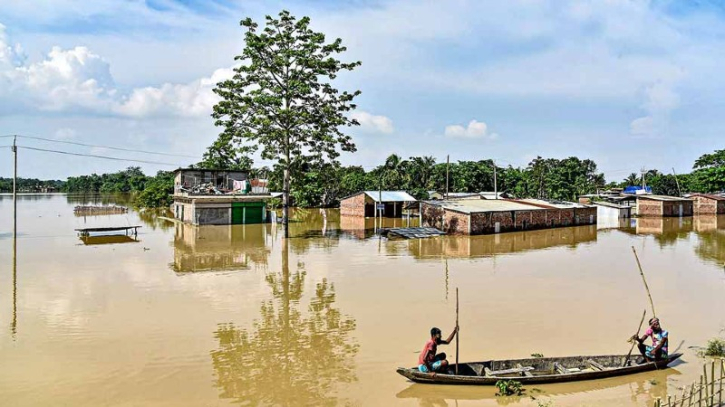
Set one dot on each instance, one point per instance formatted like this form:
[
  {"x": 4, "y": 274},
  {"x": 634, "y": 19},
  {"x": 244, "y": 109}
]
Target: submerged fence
[{"x": 707, "y": 393}]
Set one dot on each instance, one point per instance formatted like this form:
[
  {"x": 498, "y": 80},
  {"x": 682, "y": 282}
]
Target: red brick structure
[
  {"x": 478, "y": 217},
  {"x": 661, "y": 205},
  {"x": 363, "y": 203},
  {"x": 707, "y": 204}
]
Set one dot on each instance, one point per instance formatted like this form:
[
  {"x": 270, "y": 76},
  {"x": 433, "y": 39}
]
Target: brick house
[
  {"x": 363, "y": 203},
  {"x": 708, "y": 204},
  {"x": 662, "y": 205},
  {"x": 478, "y": 217}
]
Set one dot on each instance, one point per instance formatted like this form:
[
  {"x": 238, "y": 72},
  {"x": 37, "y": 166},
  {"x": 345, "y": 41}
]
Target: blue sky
[{"x": 629, "y": 84}]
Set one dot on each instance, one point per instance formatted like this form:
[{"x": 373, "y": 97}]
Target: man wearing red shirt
[{"x": 429, "y": 361}]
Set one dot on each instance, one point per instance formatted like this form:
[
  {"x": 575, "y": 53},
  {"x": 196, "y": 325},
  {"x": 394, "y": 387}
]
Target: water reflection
[
  {"x": 504, "y": 243},
  {"x": 99, "y": 199},
  {"x": 219, "y": 247},
  {"x": 27, "y": 197},
  {"x": 288, "y": 357},
  {"x": 648, "y": 386},
  {"x": 108, "y": 239},
  {"x": 711, "y": 242}
]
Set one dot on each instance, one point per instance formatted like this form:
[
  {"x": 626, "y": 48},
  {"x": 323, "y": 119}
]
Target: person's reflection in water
[{"x": 287, "y": 358}]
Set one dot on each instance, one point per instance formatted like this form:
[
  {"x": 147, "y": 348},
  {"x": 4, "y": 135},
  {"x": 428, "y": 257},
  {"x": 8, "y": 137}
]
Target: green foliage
[
  {"x": 537, "y": 355},
  {"x": 715, "y": 348},
  {"x": 30, "y": 185},
  {"x": 281, "y": 101},
  {"x": 157, "y": 193},
  {"x": 509, "y": 388},
  {"x": 131, "y": 179}
]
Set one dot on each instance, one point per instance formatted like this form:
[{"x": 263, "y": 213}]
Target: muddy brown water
[{"x": 224, "y": 315}]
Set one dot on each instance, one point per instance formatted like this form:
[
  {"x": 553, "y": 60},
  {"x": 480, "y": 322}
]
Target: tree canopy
[{"x": 281, "y": 99}]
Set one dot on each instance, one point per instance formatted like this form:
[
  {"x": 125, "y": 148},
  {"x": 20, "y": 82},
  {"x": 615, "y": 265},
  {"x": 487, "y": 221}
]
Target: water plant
[
  {"x": 715, "y": 348},
  {"x": 509, "y": 388},
  {"x": 537, "y": 355}
]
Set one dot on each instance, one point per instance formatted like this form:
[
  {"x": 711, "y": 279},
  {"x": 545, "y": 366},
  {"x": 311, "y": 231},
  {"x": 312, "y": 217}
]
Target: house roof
[
  {"x": 385, "y": 196},
  {"x": 553, "y": 204},
  {"x": 709, "y": 196},
  {"x": 207, "y": 170},
  {"x": 485, "y": 205},
  {"x": 663, "y": 198}
]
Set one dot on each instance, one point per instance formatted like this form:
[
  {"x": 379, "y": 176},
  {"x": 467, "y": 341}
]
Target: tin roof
[
  {"x": 553, "y": 204},
  {"x": 389, "y": 196},
  {"x": 709, "y": 196},
  {"x": 662, "y": 198},
  {"x": 485, "y": 205}
]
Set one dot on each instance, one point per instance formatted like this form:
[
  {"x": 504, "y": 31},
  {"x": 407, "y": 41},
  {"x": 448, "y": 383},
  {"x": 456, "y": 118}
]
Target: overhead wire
[
  {"x": 101, "y": 156},
  {"x": 102, "y": 146}
]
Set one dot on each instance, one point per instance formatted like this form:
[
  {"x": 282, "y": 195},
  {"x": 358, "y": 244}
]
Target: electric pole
[
  {"x": 448, "y": 164},
  {"x": 495, "y": 185}
]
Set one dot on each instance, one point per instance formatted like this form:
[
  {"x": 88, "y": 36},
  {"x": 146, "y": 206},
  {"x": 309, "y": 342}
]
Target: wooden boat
[{"x": 538, "y": 370}]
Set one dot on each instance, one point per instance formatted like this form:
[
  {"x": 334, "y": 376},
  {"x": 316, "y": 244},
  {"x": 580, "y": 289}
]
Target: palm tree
[
  {"x": 632, "y": 179},
  {"x": 421, "y": 169}
]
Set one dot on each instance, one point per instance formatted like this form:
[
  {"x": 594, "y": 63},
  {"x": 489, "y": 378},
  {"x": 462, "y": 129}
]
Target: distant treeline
[
  {"x": 324, "y": 185},
  {"x": 148, "y": 191},
  {"x": 30, "y": 185}
]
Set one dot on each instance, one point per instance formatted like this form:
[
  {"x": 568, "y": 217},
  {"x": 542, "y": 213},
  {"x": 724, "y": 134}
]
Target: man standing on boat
[
  {"x": 429, "y": 361},
  {"x": 658, "y": 350}
]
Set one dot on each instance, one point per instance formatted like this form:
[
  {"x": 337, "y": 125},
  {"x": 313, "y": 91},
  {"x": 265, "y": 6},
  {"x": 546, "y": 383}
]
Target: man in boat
[
  {"x": 429, "y": 361},
  {"x": 658, "y": 350}
]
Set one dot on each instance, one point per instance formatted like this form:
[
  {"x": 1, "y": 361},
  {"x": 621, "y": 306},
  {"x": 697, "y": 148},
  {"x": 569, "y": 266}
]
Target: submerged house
[
  {"x": 484, "y": 216},
  {"x": 708, "y": 204},
  {"x": 663, "y": 205},
  {"x": 363, "y": 204},
  {"x": 219, "y": 197}
]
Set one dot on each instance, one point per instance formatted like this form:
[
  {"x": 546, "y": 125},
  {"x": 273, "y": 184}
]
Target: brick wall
[
  {"x": 353, "y": 206},
  {"x": 708, "y": 206},
  {"x": 672, "y": 208},
  {"x": 648, "y": 207}
]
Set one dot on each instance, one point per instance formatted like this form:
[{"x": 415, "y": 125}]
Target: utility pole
[
  {"x": 495, "y": 185},
  {"x": 15, "y": 186},
  {"x": 448, "y": 164},
  {"x": 676, "y": 181}
]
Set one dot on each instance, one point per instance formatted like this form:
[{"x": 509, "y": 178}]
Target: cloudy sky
[{"x": 625, "y": 83}]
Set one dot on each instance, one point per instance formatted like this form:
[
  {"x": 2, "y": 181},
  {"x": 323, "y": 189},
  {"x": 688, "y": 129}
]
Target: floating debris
[{"x": 99, "y": 210}]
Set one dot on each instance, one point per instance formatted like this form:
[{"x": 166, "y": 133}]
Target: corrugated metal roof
[
  {"x": 485, "y": 205},
  {"x": 390, "y": 196},
  {"x": 710, "y": 196},
  {"x": 554, "y": 204},
  {"x": 662, "y": 198}
]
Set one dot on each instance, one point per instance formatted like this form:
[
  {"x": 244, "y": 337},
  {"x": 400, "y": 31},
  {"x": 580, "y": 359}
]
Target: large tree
[{"x": 281, "y": 98}]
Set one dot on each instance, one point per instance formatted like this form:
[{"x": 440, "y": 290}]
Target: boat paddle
[
  {"x": 651, "y": 303},
  {"x": 458, "y": 332},
  {"x": 632, "y": 339}
]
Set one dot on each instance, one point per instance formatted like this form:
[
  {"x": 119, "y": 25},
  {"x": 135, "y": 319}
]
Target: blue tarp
[{"x": 632, "y": 189}]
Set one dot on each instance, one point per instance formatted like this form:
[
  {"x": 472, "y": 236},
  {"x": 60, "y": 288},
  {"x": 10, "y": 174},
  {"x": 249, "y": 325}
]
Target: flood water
[{"x": 225, "y": 315}]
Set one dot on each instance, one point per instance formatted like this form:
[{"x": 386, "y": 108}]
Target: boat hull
[{"x": 541, "y": 375}]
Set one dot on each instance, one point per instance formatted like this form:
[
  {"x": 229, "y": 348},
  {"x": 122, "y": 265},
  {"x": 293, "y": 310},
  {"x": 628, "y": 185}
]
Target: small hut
[
  {"x": 363, "y": 203},
  {"x": 663, "y": 205},
  {"x": 708, "y": 204}
]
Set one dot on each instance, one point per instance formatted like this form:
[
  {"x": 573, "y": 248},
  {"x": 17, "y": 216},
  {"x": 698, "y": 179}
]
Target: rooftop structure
[{"x": 364, "y": 203}]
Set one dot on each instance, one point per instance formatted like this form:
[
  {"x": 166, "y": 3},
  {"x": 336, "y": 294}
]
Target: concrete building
[
  {"x": 219, "y": 197},
  {"x": 363, "y": 203},
  {"x": 477, "y": 217},
  {"x": 662, "y": 205},
  {"x": 708, "y": 204}
]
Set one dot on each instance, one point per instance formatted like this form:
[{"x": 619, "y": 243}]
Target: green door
[
  {"x": 253, "y": 214},
  {"x": 237, "y": 215}
]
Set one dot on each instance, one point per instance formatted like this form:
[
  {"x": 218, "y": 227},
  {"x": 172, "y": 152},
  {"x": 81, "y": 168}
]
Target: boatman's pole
[{"x": 458, "y": 334}]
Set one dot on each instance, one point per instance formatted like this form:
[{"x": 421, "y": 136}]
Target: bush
[
  {"x": 715, "y": 348},
  {"x": 157, "y": 193},
  {"x": 509, "y": 388}
]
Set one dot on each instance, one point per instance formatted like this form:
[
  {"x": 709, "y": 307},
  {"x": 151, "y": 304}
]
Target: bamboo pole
[
  {"x": 634, "y": 342},
  {"x": 651, "y": 303},
  {"x": 692, "y": 391},
  {"x": 669, "y": 401},
  {"x": 699, "y": 397},
  {"x": 712, "y": 385},
  {"x": 704, "y": 378},
  {"x": 458, "y": 334},
  {"x": 722, "y": 377}
]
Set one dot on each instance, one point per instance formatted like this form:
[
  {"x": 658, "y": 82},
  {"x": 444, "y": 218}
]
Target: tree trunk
[{"x": 285, "y": 201}]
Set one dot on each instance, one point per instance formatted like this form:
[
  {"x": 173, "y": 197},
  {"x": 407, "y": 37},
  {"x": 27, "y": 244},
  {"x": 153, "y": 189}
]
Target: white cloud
[
  {"x": 369, "y": 122},
  {"x": 659, "y": 101},
  {"x": 78, "y": 80},
  {"x": 475, "y": 129}
]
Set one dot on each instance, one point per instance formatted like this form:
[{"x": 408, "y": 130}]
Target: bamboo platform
[
  {"x": 128, "y": 230},
  {"x": 411, "y": 233}
]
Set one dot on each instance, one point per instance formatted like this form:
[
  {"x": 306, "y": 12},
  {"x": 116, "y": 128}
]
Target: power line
[
  {"x": 100, "y": 146},
  {"x": 101, "y": 156}
]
